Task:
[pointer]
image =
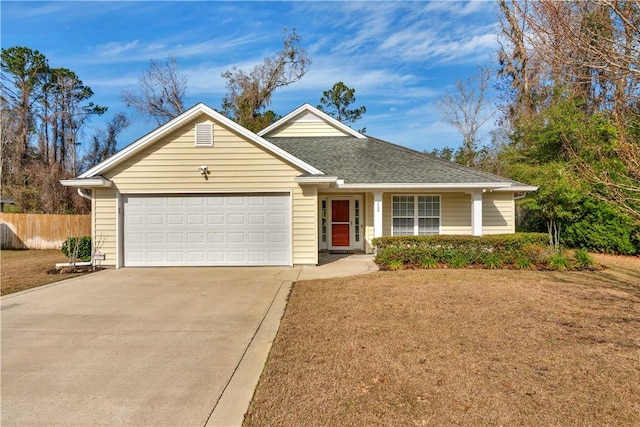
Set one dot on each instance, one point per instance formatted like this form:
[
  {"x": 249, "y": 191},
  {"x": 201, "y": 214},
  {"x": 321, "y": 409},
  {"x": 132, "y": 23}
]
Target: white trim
[
  {"x": 315, "y": 179},
  {"x": 119, "y": 230},
  {"x": 416, "y": 217},
  {"x": 93, "y": 182},
  {"x": 290, "y": 192},
  {"x": 165, "y": 129},
  {"x": 418, "y": 186},
  {"x": 517, "y": 188},
  {"x": 313, "y": 110},
  {"x": 377, "y": 214},
  {"x": 476, "y": 213},
  {"x": 353, "y": 245},
  {"x": 323, "y": 245}
]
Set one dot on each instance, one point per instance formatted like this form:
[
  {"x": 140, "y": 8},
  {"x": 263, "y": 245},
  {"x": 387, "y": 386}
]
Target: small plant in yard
[
  {"x": 559, "y": 262},
  {"x": 77, "y": 248},
  {"x": 459, "y": 261},
  {"x": 583, "y": 259},
  {"x": 429, "y": 262},
  {"x": 396, "y": 265},
  {"x": 493, "y": 261},
  {"x": 523, "y": 263}
]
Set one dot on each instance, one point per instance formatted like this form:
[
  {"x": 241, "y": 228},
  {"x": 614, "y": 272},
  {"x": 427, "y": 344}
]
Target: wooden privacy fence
[{"x": 41, "y": 231}]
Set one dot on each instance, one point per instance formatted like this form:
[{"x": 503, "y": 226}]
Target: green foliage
[
  {"x": 336, "y": 101},
  {"x": 457, "y": 251},
  {"x": 600, "y": 228},
  {"x": 559, "y": 262},
  {"x": 459, "y": 260},
  {"x": 524, "y": 263},
  {"x": 493, "y": 261},
  {"x": 396, "y": 265},
  {"x": 429, "y": 262},
  {"x": 83, "y": 244},
  {"x": 550, "y": 150},
  {"x": 583, "y": 259}
]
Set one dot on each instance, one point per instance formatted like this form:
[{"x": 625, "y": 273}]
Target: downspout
[
  {"x": 523, "y": 195},
  {"x": 86, "y": 196}
]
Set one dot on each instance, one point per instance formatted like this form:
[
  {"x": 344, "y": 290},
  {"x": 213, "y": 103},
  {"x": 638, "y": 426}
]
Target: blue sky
[{"x": 401, "y": 57}]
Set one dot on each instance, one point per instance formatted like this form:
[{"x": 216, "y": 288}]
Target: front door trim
[{"x": 353, "y": 245}]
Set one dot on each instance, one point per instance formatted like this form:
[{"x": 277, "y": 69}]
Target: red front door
[{"x": 340, "y": 223}]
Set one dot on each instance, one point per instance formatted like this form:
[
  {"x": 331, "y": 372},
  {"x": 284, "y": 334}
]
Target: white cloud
[{"x": 113, "y": 49}]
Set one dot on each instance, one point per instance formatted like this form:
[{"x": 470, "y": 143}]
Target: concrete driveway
[{"x": 147, "y": 346}]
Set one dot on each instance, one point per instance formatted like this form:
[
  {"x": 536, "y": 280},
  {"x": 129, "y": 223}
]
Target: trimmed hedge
[
  {"x": 84, "y": 247},
  {"x": 492, "y": 251}
]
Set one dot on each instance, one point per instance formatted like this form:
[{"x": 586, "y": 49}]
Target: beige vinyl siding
[
  {"x": 498, "y": 211},
  {"x": 455, "y": 213},
  {"x": 305, "y": 228},
  {"x": 104, "y": 216},
  {"x": 171, "y": 166},
  {"x": 307, "y": 129}
]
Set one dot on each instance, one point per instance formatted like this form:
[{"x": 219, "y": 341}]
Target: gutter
[{"x": 83, "y": 195}]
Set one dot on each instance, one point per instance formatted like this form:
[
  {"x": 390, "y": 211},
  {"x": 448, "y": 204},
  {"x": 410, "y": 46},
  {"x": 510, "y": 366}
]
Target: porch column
[
  {"x": 476, "y": 213},
  {"x": 377, "y": 214}
]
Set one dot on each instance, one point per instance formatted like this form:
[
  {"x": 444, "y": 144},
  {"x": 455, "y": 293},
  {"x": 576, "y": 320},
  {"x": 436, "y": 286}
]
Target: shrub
[
  {"x": 493, "y": 251},
  {"x": 524, "y": 263},
  {"x": 459, "y": 261},
  {"x": 493, "y": 261},
  {"x": 583, "y": 259},
  {"x": 559, "y": 262},
  {"x": 83, "y": 245},
  {"x": 429, "y": 262},
  {"x": 396, "y": 265},
  {"x": 602, "y": 229}
]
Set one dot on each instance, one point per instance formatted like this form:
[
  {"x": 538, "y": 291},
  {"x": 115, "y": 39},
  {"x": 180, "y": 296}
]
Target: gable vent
[{"x": 204, "y": 134}]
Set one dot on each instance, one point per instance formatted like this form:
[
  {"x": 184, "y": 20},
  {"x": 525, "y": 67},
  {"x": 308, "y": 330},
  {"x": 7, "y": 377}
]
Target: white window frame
[{"x": 416, "y": 217}]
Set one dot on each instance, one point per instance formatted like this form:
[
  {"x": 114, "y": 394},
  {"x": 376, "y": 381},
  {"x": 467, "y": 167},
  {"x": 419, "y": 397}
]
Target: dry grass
[
  {"x": 458, "y": 347},
  {"x": 25, "y": 269}
]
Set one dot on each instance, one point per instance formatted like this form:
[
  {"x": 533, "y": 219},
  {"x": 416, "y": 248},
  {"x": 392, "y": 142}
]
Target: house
[{"x": 202, "y": 190}]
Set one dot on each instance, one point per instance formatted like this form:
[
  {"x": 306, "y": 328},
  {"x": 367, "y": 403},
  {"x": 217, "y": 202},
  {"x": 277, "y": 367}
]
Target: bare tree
[
  {"x": 588, "y": 51},
  {"x": 160, "y": 91},
  {"x": 463, "y": 109},
  {"x": 105, "y": 141},
  {"x": 249, "y": 93}
]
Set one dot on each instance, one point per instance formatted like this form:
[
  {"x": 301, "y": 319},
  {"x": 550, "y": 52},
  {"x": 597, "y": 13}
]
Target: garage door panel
[
  {"x": 229, "y": 230},
  {"x": 155, "y": 238}
]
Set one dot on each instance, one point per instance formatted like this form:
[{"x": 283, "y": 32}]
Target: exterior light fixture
[{"x": 204, "y": 171}]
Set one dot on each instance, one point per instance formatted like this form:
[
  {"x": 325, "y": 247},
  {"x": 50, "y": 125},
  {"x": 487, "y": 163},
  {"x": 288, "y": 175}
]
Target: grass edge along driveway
[{"x": 470, "y": 347}]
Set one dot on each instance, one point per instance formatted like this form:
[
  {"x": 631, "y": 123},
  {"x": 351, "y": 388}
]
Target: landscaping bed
[{"x": 523, "y": 251}]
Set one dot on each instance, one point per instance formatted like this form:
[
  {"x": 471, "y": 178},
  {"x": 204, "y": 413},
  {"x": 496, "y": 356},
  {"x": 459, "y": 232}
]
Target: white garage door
[{"x": 207, "y": 230}]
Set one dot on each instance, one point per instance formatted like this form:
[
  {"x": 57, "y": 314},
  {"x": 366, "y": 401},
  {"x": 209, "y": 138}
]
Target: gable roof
[
  {"x": 309, "y": 109},
  {"x": 182, "y": 119},
  {"x": 373, "y": 162}
]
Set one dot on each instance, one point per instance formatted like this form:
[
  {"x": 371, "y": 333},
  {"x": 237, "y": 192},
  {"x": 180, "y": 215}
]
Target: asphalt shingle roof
[{"x": 374, "y": 161}]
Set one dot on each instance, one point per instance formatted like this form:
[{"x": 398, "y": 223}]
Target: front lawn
[
  {"x": 24, "y": 269},
  {"x": 458, "y": 347}
]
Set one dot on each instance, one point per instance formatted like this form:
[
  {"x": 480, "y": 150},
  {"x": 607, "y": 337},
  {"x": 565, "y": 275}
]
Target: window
[
  {"x": 416, "y": 215},
  {"x": 204, "y": 134},
  {"x": 356, "y": 214},
  {"x": 323, "y": 225}
]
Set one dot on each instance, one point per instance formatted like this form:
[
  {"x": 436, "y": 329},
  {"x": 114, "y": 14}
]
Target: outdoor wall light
[{"x": 204, "y": 171}]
